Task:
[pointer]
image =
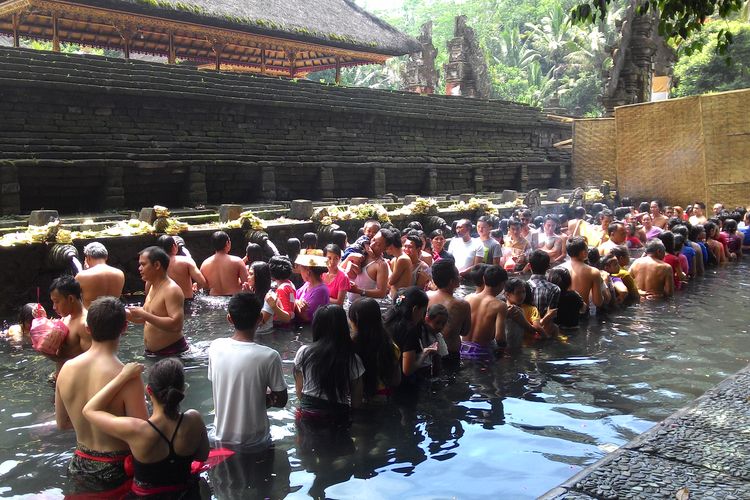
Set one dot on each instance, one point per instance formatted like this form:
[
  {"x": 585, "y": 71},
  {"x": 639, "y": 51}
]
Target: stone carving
[
  {"x": 466, "y": 70},
  {"x": 421, "y": 75},
  {"x": 533, "y": 200}
]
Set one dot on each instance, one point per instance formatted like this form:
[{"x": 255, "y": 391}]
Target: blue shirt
[
  {"x": 689, "y": 253},
  {"x": 746, "y": 239}
]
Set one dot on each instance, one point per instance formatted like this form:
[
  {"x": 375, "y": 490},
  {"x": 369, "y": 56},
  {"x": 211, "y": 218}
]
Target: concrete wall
[{"x": 86, "y": 133}]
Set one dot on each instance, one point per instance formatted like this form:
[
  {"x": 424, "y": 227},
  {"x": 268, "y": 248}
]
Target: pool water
[{"x": 511, "y": 429}]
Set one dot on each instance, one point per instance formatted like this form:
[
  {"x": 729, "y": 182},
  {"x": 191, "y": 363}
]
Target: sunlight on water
[{"x": 512, "y": 429}]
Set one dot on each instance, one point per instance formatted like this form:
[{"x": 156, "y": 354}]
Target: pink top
[
  {"x": 683, "y": 263},
  {"x": 339, "y": 283}
]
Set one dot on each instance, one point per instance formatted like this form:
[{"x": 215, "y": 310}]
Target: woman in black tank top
[{"x": 165, "y": 445}]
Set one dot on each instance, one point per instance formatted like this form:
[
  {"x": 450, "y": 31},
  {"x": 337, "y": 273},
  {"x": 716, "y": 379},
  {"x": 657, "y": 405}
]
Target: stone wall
[{"x": 87, "y": 133}]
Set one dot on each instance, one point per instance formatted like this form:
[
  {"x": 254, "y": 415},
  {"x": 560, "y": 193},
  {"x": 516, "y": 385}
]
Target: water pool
[{"x": 513, "y": 429}]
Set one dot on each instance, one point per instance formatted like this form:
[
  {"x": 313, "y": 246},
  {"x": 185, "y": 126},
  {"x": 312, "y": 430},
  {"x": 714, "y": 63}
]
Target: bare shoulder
[{"x": 194, "y": 418}]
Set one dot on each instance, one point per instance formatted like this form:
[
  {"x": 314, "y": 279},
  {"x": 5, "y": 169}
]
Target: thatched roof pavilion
[{"x": 277, "y": 37}]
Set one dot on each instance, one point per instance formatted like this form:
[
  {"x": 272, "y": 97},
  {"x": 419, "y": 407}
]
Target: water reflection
[{"x": 511, "y": 428}]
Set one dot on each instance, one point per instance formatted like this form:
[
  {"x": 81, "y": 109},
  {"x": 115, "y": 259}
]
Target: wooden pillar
[
  {"x": 126, "y": 46},
  {"x": 338, "y": 70},
  {"x": 262, "y": 59},
  {"x": 16, "y": 25},
  {"x": 55, "y": 34},
  {"x": 218, "y": 48},
  {"x": 172, "y": 56},
  {"x": 291, "y": 56}
]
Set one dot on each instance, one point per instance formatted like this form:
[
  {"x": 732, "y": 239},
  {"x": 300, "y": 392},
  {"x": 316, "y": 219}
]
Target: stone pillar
[
  {"x": 10, "y": 189},
  {"x": 268, "y": 183},
  {"x": 196, "y": 193},
  {"x": 524, "y": 178},
  {"x": 301, "y": 209},
  {"x": 466, "y": 72},
  {"x": 326, "y": 185},
  {"x": 114, "y": 192},
  {"x": 430, "y": 186},
  {"x": 378, "y": 181},
  {"x": 358, "y": 201},
  {"x": 478, "y": 180},
  {"x": 228, "y": 212},
  {"x": 421, "y": 76}
]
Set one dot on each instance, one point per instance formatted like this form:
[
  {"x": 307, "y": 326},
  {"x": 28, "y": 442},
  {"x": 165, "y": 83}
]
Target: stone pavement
[{"x": 702, "y": 451}]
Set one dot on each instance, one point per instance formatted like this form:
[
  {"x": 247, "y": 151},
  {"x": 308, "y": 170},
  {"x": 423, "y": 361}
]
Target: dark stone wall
[{"x": 85, "y": 133}]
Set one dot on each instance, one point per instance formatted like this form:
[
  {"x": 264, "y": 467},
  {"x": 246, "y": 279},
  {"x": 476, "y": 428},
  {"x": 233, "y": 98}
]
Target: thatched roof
[{"x": 339, "y": 23}]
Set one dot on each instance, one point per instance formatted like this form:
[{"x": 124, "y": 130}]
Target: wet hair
[
  {"x": 560, "y": 276},
  {"x": 372, "y": 344},
  {"x": 244, "y": 308},
  {"x": 332, "y": 248},
  {"x": 679, "y": 242},
  {"x": 514, "y": 223},
  {"x": 668, "y": 239},
  {"x": 672, "y": 222},
  {"x": 106, "y": 319},
  {"x": 339, "y": 238},
  {"x": 167, "y": 382},
  {"x": 166, "y": 243},
  {"x": 219, "y": 240},
  {"x": 254, "y": 252},
  {"x": 694, "y": 232},
  {"x": 608, "y": 260},
  {"x": 730, "y": 226},
  {"x": 486, "y": 220},
  {"x": 261, "y": 277},
  {"x": 579, "y": 213},
  {"x": 398, "y": 317},
  {"x": 539, "y": 260},
  {"x": 622, "y": 212},
  {"x": 593, "y": 257},
  {"x": 280, "y": 267},
  {"x": 95, "y": 250},
  {"x": 575, "y": 246},
  {"x": 495, "y": 276},
  {"x": 415, "y": 224},
  {"x": 476, "y": 275},
  {"x": 436, "y": 233},
  {"x": 644, "y": 206},
  {"x": 416, "y": 240},
  {"x": 496, "y": 233},
  {"x": 392, "y": 238},
  {"x": 514, "y": 284},
  {"x": 156, "y": 254},
  {"x": 606, "y": 213},
  {"x": 293, "y": 248},
  {"x": 655, "y": 245},
  {"x": 443, "y": 271},
  {"x": 309, "y": 240},
  {"x": 551, "y": 217},
  {"x": 528, "y": 298},
  {"x": 700, "y": 205},
  {"x": 658, "y": 203},
  {"x": 66, "y": 286},
  {"x": 26, "y": 313},
  {"x": 620, "y": 251},
  {"x": 612, "y": 228},
  {"x": 328, "y": 361},
  {"x": 438, "y": 311}
]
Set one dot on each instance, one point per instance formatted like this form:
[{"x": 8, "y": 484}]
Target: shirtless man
[
  {"x": 65, "y": 293},
  {"x": 699, "y": 214},
  {"x": 446, "y": 279},
  {"x": 419, "y": 270},
  {"x": 616, "y": 235},
  {"x": 586, "y": 280},
  {"x": 98, "y": 463},
  {"x": 182, "y": 270},
  {"x": 551, "y": 243},
  {"x": 224, "y": 273},
  {"x": 162, "y": 314},
  {"x": 652, "y": 275},
  {"x": 400, "y": 265},
  {"x": 659, "y": 220},
  {"x": 98, "y": 279},
  {"x": 372, "y": 280},
  {"x": 577, "y": 226},
  {"x": 488, "y": 315}
]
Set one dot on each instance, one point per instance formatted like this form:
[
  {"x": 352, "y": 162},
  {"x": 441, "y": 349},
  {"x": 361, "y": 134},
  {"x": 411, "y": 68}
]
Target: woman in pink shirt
[{"x": 336, "y": 280}]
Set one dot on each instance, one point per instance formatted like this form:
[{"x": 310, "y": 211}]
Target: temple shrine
[{"x": 273, "y": 37}]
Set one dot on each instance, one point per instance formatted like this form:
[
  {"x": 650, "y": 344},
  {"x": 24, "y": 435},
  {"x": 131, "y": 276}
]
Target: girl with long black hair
[
  {"x": 328, "y": 373},
  {"x": 404, "y": 320},
  {"x": 372, "y": 343},
  {"x": 259, "y": 282}
]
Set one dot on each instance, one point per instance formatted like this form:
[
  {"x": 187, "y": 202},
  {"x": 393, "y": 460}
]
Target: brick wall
[{"x": 86, "y": 133}]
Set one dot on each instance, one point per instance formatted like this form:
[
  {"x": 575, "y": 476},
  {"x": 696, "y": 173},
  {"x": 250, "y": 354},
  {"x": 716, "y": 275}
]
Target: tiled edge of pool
[{"x": 703, "y": 450}]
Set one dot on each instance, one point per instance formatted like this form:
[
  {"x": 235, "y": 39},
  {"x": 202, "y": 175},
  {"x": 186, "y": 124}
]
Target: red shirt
[{"x": 673, "y": 261}]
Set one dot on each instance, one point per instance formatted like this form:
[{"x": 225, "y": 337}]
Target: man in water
[
  {"x": 98, "y": 279},
  {"x": 446, "y": 279},
  {"x": 241, "y": 374},
  {"x": 372, "y": 280},
  {"x": 652, "y": 275},
  {"x": 551, "y": 243},
  {"x": 616, "y": 235},
  {"x": 182, "y": 270},
  {"x": 586, "y": 280},
  {"x": 224, "y": 273},
  {"x": 98, "y": 463},
  {"x": 162, "y": 314},
  {"x": 419, "y": 271},
  {"x": 488, "y": 315},
  {"x": 400, "y": 265},
  {"x": 465, "y": 249},
  {"x": 659, "y": 219},
  {"x": 545, "y": 294},
  {"x": 493, "y": 252},
  {"x": 65, "y": 293}
]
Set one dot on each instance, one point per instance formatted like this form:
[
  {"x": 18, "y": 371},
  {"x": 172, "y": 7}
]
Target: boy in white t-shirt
[{"x": 241, "y": 373}]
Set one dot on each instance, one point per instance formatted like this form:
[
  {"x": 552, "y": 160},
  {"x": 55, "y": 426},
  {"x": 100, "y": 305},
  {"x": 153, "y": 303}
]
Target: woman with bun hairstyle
[{"x": 165, "y": 445}]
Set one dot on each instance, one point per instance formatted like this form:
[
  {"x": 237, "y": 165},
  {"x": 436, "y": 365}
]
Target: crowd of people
[{"x": 530, "y": 279}]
